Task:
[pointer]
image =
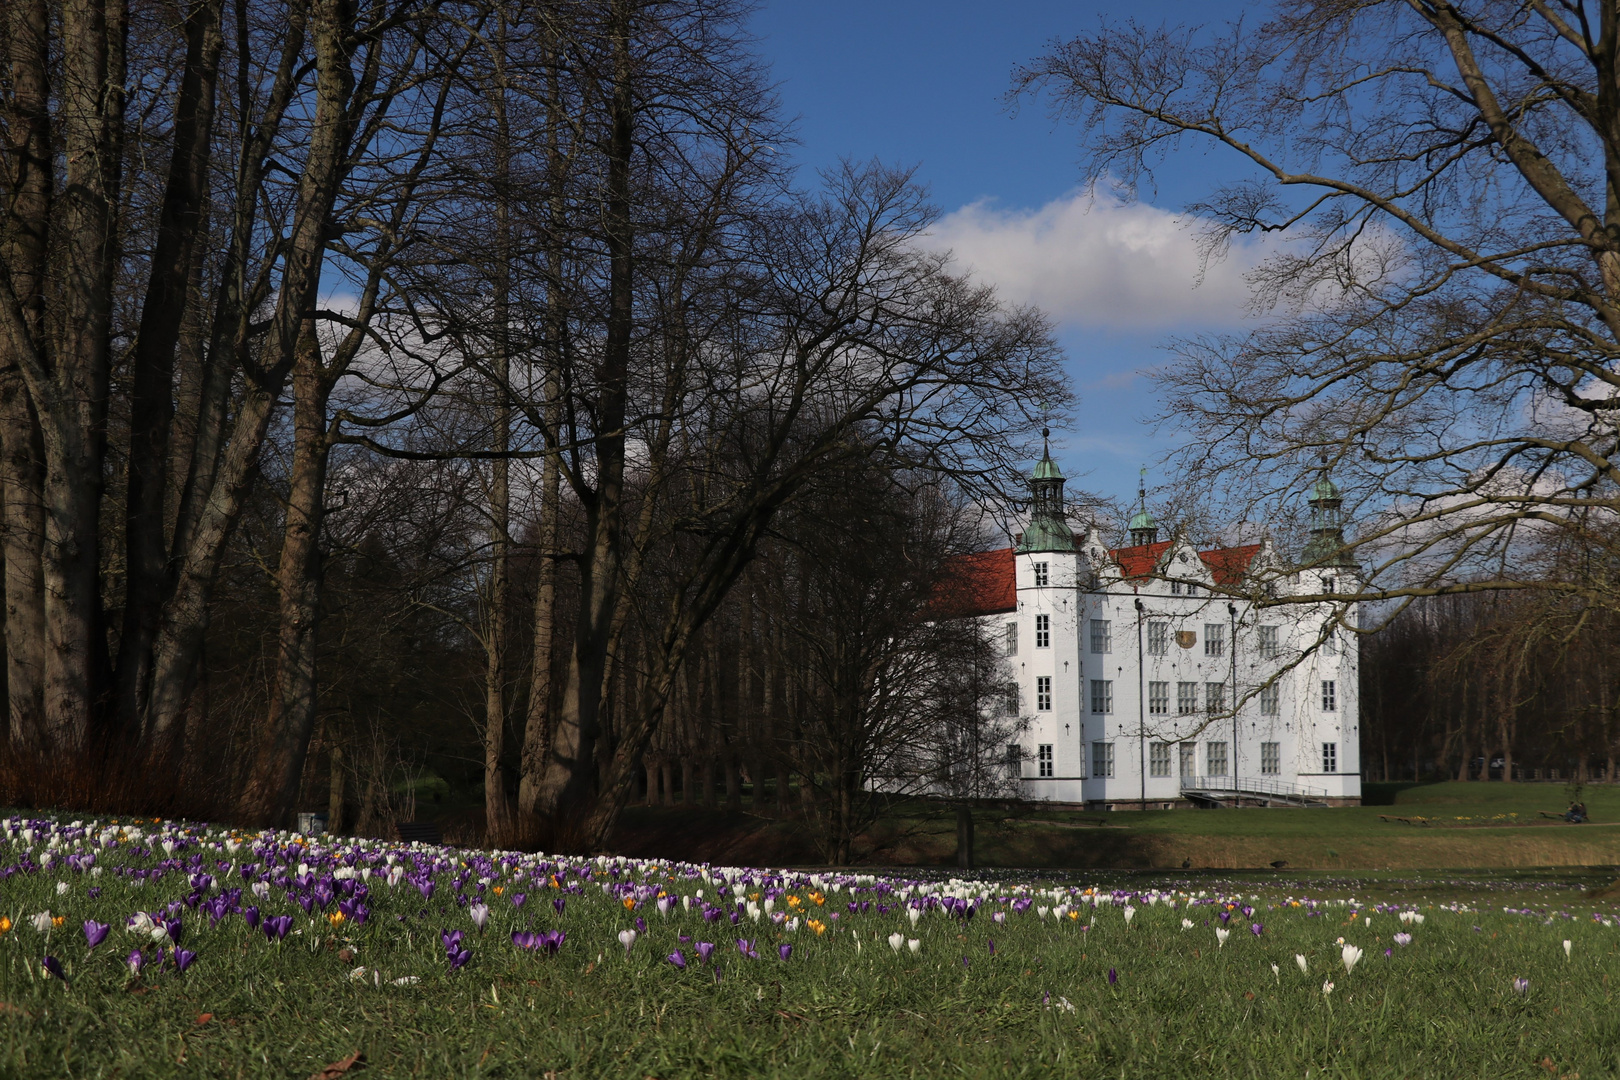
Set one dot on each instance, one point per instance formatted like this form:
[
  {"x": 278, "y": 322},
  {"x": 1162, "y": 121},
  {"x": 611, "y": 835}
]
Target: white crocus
[
  {"x": 1569, "y": 947},
  {"x": 42, "y": 922},
  {"x": 896, "y": 940},
  {"x": 627, "y": 938},
  {"x": 1299, "y": 958},
  {"x": 1221, "y": 934},
  {"x": 914, "y": 945},
  {"x": 1352, "y": 956},
  {"x": 1186, "y": 924},
  {"x": 1130, "y": 913},
  {"x": 1327, "y": 988}
]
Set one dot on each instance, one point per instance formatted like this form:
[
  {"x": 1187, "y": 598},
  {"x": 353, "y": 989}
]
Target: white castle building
[{"x": 1156, "y": 674}]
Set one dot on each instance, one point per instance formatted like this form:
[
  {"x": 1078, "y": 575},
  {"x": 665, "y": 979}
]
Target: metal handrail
[{"x": 1250, "y": 785}]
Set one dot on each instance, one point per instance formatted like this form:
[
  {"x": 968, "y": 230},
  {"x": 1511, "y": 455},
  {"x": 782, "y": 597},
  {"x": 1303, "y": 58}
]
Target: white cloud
[{"x": 1093, "y": 261}]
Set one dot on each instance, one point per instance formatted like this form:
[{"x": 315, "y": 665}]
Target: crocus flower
[
  {"x": 1221, "y": 934},
  {"x": 1299, "y": 958},
  {"x": 785, "y": 951},
  {"x": 1256, "y": 929},
  {"x": 551, "y": 941},
  {"x": 173, "y": 928},
  {"x": 251, "y": 917},
  {"x": 1351, "y": 956},
  {"x": 1113, "y": 977},
  {"x": 896, "y": 940},
  {"x": 183, "y": 958},
  {"x": 992, "y": 943},
  {"x": 1402, "y": 939},
  {"x": 677, "y": 959},
  {"x": 704, "y": 950},
  {"x": 451, "y": 939},
  {"x": 523, "y": 939},
  {"x": 641, "y": 925},
  {"x": 1130, "y": 913},
  {"x": 627, "y": 938},
  {"x": 134, "y": 961},
  {"x": 1568, "y": 948},
  {"x": 94, "y": 932},
  {"x": 1521, "y": 987},
  {"x": 42, "y": 922},
  {"x": 518, "y": 898},
  {"x": 1001, "y": 917},
  {"x": 1186, "y": 924},
  {"x": 53, "y": 966},
  {"x": 559, "y": 903},
  {"x": 1327, "y": 988},
  {"x": 458, "y": 958},
  {"x": 276, "y": 927},
  {"x": 914, "y": 944}
]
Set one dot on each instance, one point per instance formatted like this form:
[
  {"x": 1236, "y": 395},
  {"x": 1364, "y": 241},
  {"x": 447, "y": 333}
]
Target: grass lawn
[{"x": 382, "y": 982}]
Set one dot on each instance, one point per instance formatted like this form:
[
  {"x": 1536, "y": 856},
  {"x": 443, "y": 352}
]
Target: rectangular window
[
  {"x": 1159, "y": 759},
  {"x": 1270, "y": 758},
  {"x": 1015, "y": 760},
  {"x": 1271, "y": 700},
  {"x": 1102, "y": 760},
  {"x": 1330, "y": 757},
  {"x": 1175, "y": 588},
  {"x": 1158, "y": 638},
  {"x": 1330, "y": 695},
  {"x": 1214, "y": 639},
  {"x": 1329, "y": 585},
  {"x": 1186, "y": 698},
  {"x": 1102, "y": 639},
  {"x": 1043, "y": 693},
  {"x": 1214, "y": 697},
  {"x": 1043, "y": 631},
  {"x": 1189, "y": 760},
  {"x": 1012, "y": 639},
  {"x": 1159, "y": 698},
  {"x": 1102, "y": 696},
  {"x": 1043, "y": 757},
  {"x": 1330, "y": 644},
  {"x": 1215, "y": 759},
  {"x": 1042, "y": 578},
  {"x": 1269, "y": 648}
]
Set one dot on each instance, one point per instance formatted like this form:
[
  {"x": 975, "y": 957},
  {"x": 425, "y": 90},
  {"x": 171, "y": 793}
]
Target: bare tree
[{"x": 1438, "y": 183}]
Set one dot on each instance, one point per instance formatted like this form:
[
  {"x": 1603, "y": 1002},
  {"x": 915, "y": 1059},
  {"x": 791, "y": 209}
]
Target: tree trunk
[
  {"x": 175, "y": 260},
  {"x": 27, "y": 167},
  {"x": 283, "y": 742},
  {"x": 568, "y": 784},
  {"x": 335, "y": 785}
]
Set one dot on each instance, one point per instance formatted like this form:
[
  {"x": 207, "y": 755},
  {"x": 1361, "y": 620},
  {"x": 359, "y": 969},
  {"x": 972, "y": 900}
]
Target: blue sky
[{"x": 922, "y": 84}]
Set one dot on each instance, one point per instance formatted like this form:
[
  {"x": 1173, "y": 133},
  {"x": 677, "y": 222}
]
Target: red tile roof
[
  {"x": 1139, "y": 561},
  {"x": 979, "y": 583},
  {"x": 1228, "y": 565}
]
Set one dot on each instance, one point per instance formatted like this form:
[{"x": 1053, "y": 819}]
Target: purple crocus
[
  {"x": 53, "y": 966},
  {"x": 1256, "y": 929},
  {"x": 524, "y": 939},
  {"x": 1113, "y": 977},
  {"x": 677, "y": 959},
  {"x": 552, "y": 941},
  {"x": 704, "y": 950},
  {"x": 746, "y": 947},
  {"x": 785, "y": 951},
  {"x": 451, "y": 939},
  {"x": 518, "y": 898},
  {"x": 134, "y": 961},
  {"x": 992, "y": 943},
  {"x": 174, "y": 930},
  {"x": 1520, "y": 986},
  {"x": 183, "y": 958},
  {"x": 458, "y": 958},
  {"x": 276, "y": 927},
  {"x": 94, "y": 932},
  {"x": 250, "y": 916},
  {"x": 641, "y": 925}
]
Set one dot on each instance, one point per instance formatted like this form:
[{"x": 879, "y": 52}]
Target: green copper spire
[
  {"x": 1047, "y": 529},
  {"x": 1144, "y": 530},
  {"x": 1326, "y": 546}
]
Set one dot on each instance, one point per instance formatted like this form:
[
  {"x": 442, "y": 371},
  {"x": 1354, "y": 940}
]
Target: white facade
[
  {"x": 1107, "y": 728},
  {"x": 1128, "y": 662}
]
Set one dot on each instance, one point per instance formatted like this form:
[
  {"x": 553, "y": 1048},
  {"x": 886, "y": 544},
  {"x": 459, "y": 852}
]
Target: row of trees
[{"x": 340, "y": 339}]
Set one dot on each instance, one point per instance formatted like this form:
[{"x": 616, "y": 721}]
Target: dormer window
[{"x": 1175, "y": 588}]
